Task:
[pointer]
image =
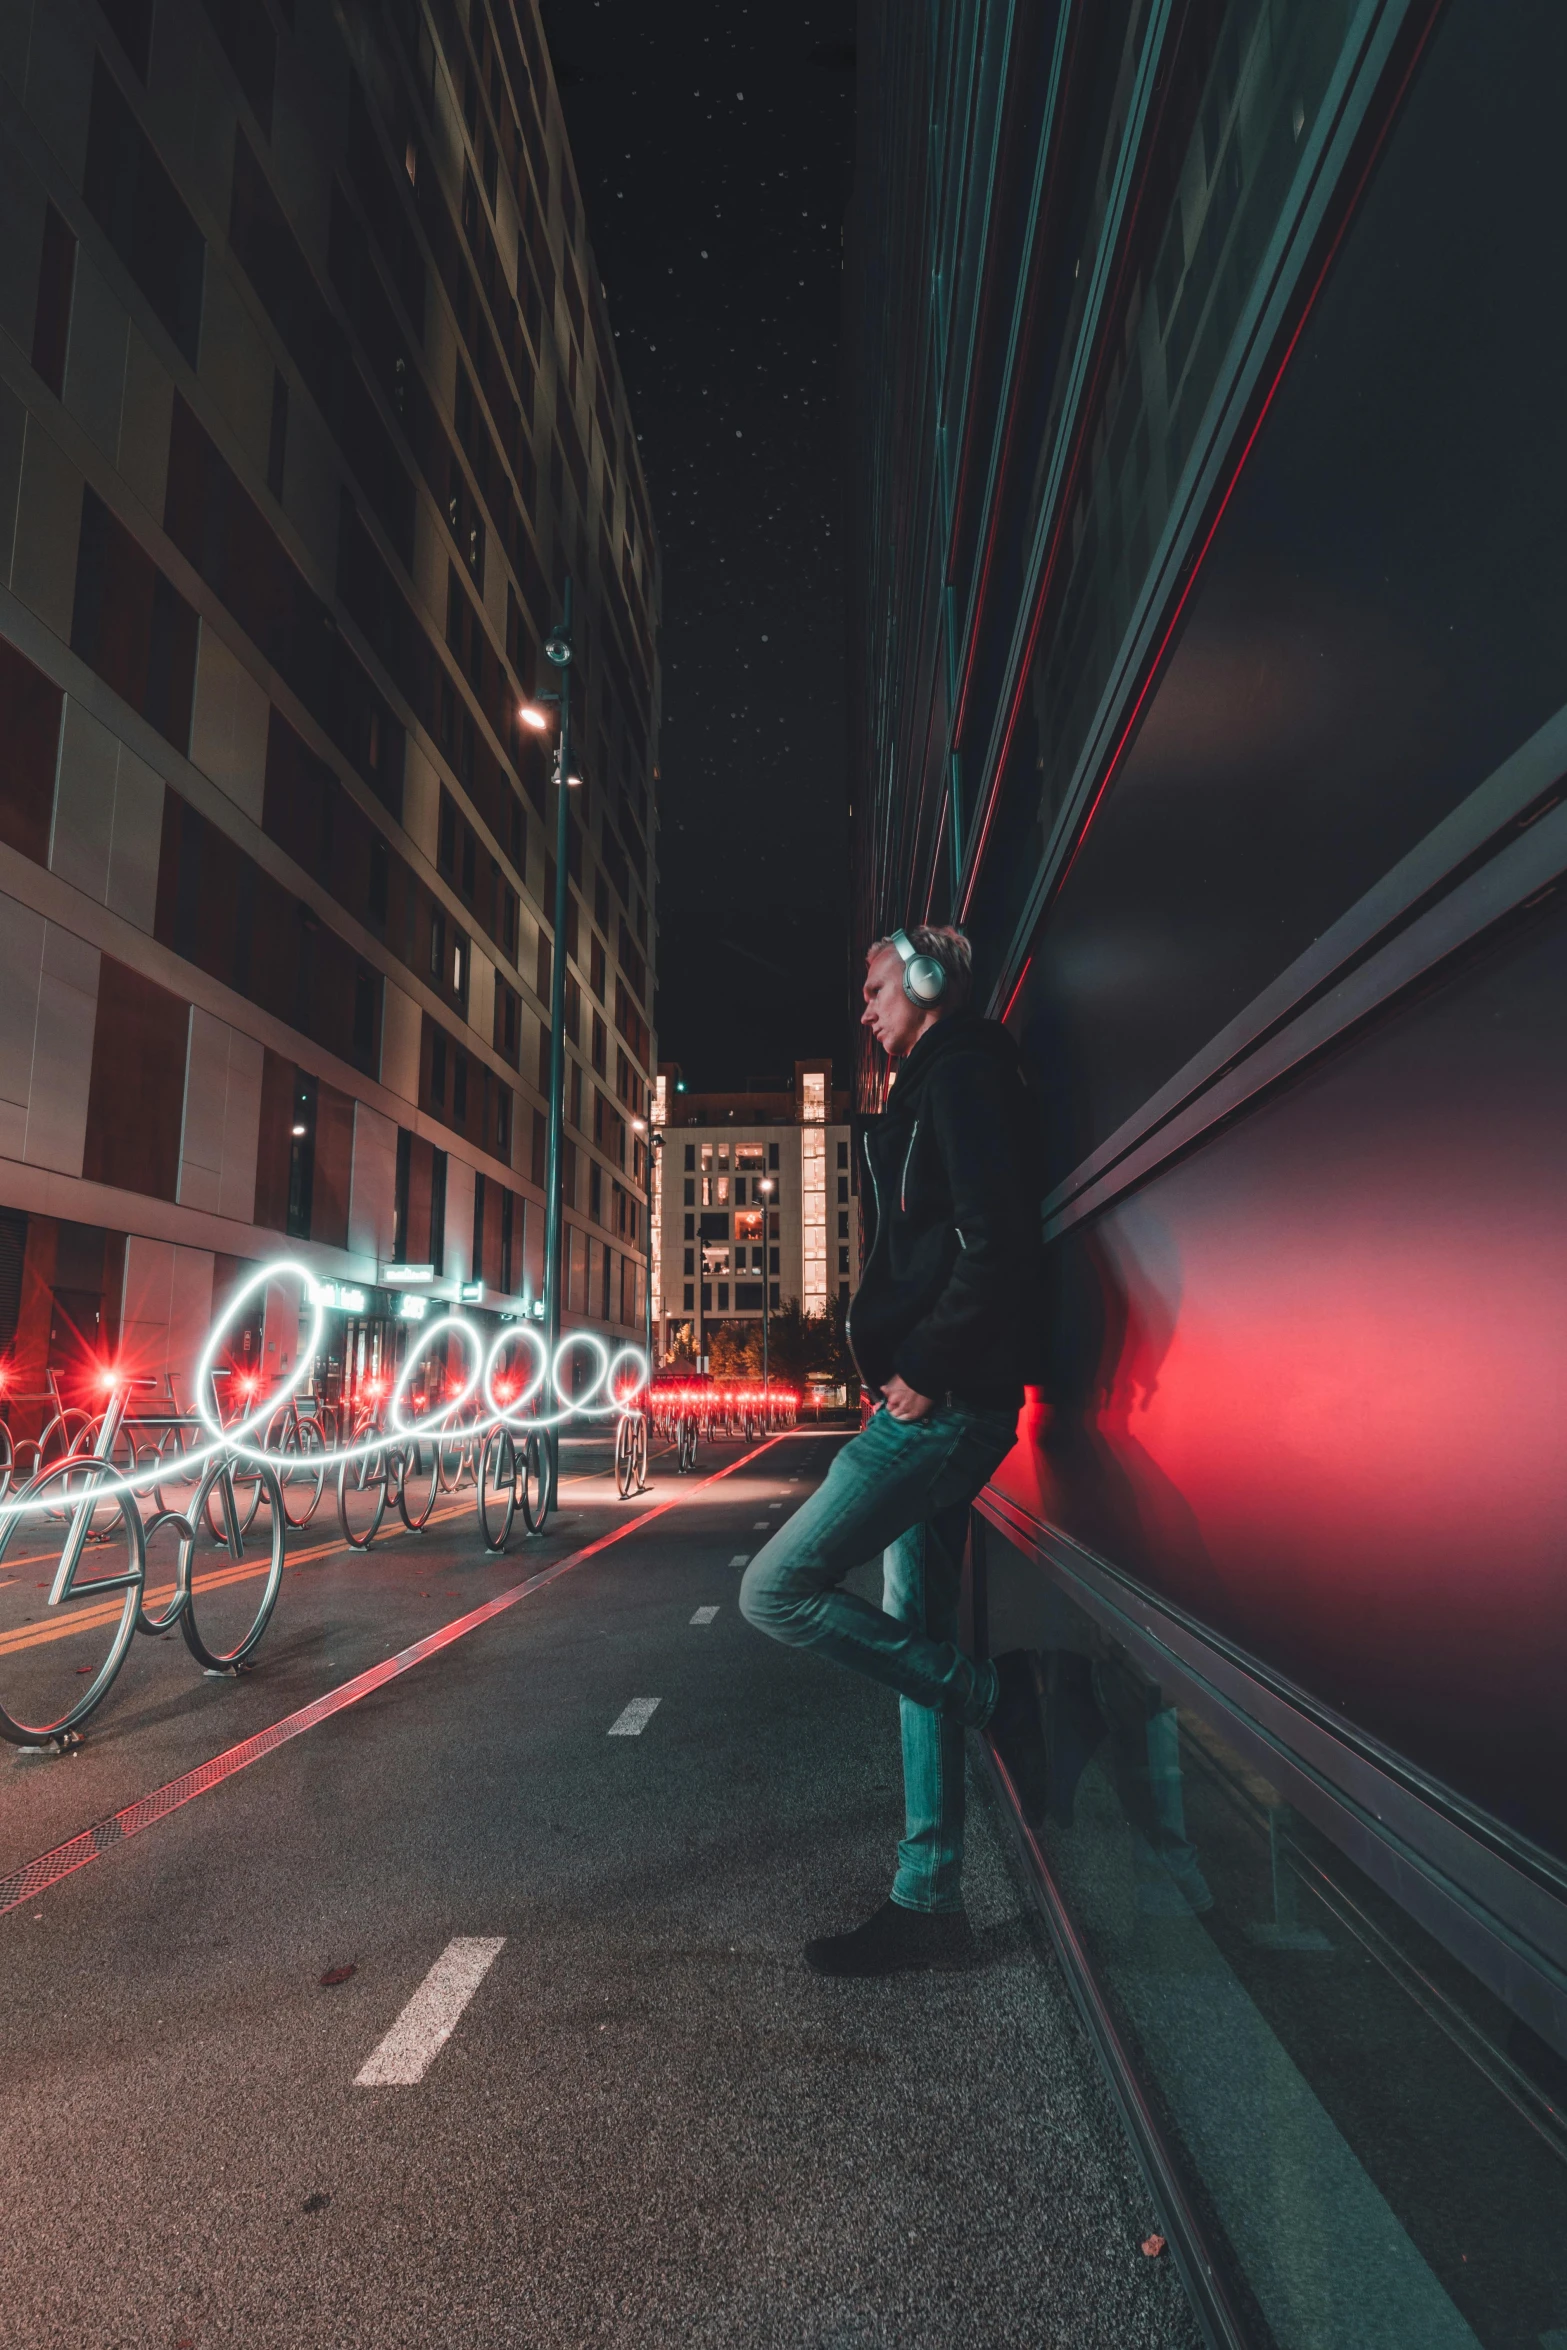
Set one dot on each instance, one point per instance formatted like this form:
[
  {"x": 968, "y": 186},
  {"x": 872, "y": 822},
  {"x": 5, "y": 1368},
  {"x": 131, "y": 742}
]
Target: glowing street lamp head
[{"x": 532, "y": 715}]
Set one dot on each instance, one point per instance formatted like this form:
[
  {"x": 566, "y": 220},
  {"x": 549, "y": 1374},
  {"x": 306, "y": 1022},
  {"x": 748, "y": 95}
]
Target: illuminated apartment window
[
  {"x": 813, "y": 1214},
  {"x": 660, "y": 1117}
]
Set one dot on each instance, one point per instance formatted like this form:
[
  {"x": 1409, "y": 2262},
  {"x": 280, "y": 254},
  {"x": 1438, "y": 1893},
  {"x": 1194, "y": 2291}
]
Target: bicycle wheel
[
  {"x": 57, "y": 1663},
  {"x": 623, "y": 1457},
  {"x": 62, "y": 1437},
  {"x": 497, "y": 1488},
  {"x": 533, "y": 1491},
  {"x": 361, "y": 1498},
  {"x": 453, "y": 1452},
  {"x": 418, "y": 1484},
  {"x": 303, "y": 1478},
  {"x": 184, "y": 1534},
  {"x": 640, "y": 1465},
  {"x": 245, "y": 1486},
  {"x": 222, "y": 1597}
]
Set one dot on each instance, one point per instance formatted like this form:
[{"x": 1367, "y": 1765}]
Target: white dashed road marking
[
  {"x": 426, "y": 2023},
  {"x": 742, "y": 1558},
  {"x": 775, "y": 1505},
  {"x": 635, "y": 1719},
  {"x": 762, "y": 1526},
  {"x": 704, "y": 1615}
]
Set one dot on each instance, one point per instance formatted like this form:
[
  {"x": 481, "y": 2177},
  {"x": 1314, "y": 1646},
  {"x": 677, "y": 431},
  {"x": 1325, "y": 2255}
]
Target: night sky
[{"x": 714, "y": 144}]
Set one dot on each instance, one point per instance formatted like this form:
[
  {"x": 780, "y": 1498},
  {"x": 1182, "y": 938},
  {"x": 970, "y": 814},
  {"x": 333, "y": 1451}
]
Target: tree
[
  {"x": 803, "y": 1342},
  {"x": 735, "y": 1349}
]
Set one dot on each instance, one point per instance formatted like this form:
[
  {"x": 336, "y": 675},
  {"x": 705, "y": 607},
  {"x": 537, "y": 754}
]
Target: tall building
[
  {"x": 752, "y": 1188},
  {"x": 310, "y": 405},
  {"x": 1211, "y": 563}
]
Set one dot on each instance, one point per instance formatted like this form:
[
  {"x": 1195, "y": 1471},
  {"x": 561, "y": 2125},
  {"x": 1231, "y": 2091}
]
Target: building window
[
  {"x": 690, "y": 1296},
  {"x": 843, "y": 1260},
  {"x": 690, "y": 1227},
  {"x": 843, "y": 1154},
  {"x": 843, "y": 1225},
  {"x": 723, "y": 1297},
  {"x": 843, "y": 1189},
  {"x": 690, "y": 1264},
  {"x": 301, "y": 1156},
  {"x": 690, "y": 1151},
  {"x": 690, "y": 1189},
  {"x": 813, "y": 1209},
  {"x": 772, "y": 1156}
]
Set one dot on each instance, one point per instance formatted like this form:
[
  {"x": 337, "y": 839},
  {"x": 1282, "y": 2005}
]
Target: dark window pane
[
  {"x": 250, "y": 44},
  {"x": 29, "y": 743},
  {"x": 52, "y": 316},
  {"x": 130, "y": 21},
  {"x": 140, "y": 211}
]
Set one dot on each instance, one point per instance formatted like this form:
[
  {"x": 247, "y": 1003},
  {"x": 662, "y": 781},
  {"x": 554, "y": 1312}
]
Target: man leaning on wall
[{"x": 943, "y": 1327}]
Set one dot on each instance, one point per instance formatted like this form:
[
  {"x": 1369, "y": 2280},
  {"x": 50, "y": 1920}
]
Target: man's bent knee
[{"x": 771, "y": 1601}]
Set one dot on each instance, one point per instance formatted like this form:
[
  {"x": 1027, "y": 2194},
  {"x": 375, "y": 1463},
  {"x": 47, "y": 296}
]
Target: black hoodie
[{"x": 950, "y": 1296}]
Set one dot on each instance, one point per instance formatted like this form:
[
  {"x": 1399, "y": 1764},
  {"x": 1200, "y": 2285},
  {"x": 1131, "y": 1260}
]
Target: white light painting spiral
[{"x": 509, "y": 1393}]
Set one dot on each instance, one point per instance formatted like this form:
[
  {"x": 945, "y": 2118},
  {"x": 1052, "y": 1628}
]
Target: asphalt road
[{"x": 567, "y": 2081}]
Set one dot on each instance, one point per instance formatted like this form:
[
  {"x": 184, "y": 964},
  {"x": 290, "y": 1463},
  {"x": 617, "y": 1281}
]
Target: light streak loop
[{"x": 236, "y": 1440}]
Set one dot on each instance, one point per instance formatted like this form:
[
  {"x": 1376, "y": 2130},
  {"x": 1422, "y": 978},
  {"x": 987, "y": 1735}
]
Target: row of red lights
[{"x": 723, "y": 1395}]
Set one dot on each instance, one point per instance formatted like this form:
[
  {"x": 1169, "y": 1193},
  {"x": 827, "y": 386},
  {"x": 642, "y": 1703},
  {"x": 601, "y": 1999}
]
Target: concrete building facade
[
  {"x": 309, "y": 406},
  {"x": 718, "y": 1236}
]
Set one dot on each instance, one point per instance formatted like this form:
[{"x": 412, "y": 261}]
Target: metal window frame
[
  {"x": 1497, "y": 853},
  {"x": 1329, "y": 148}
]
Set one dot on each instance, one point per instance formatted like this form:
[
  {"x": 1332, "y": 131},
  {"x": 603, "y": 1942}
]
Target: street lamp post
[
  {"x": 558, "y": 650},
  {"x": 655, "y": 1142},
  {"x": 767, "y": 1187}
]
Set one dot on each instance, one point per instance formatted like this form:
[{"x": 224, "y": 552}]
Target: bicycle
[
  {"x": 114, "y": 1589},
  {"x": 631, "y": 1444},
  {"x": 367, "y": 1478},
  {"x": 297, "y": 1433}
]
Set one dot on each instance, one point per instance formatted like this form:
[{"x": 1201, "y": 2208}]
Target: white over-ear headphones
[{"x": 924, "y": 979}]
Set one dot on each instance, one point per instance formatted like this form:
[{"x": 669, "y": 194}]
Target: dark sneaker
[
  {"x": 896, "y": 1941},
  {"x": 1016, "y": 1728},
  {"x": 1046, "y": 1726},
  {"x": 1074, "y": 1727}
]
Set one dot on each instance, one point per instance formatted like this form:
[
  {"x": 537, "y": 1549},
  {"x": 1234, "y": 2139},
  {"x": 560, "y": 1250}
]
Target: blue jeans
[{"x": 902, "y": 1488}]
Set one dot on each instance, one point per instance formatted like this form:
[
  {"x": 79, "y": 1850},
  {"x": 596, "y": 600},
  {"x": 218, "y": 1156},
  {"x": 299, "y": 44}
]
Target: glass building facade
[{"x": 1211, "y": 548}]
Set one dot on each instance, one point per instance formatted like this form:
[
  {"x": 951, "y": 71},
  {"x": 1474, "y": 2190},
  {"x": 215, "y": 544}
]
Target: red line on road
[{"x": 36, "y": 1876}]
